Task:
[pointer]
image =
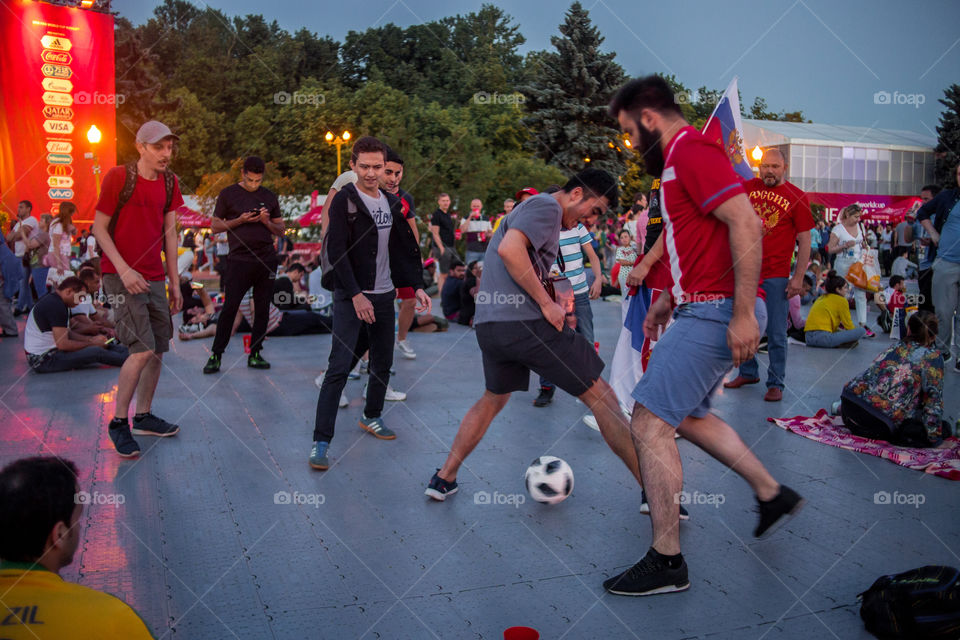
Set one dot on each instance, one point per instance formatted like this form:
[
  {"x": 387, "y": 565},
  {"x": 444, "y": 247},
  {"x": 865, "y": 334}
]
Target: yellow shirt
[
  {"x": 37, "y": 604},
  {"x": 829, "y": 313}
]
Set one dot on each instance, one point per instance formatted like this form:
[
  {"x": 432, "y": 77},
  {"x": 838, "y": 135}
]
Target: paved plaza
[{"x": 225, "y": 532}]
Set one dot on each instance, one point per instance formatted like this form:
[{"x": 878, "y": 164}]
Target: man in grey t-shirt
[{"x": 521, "y": 329}]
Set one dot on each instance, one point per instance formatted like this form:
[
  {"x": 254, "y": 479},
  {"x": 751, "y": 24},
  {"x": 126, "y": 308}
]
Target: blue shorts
[{"x": 690, "y": 361}]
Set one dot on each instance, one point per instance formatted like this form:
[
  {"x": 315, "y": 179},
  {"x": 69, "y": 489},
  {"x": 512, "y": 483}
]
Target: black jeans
[
  {"x": 240, "y": 276},
  {"x": 55, "y": 360},
  {"x": 351, "y": 338},
  {"x": 925, "y": 280},
  {"x": 299, "y": 322}
]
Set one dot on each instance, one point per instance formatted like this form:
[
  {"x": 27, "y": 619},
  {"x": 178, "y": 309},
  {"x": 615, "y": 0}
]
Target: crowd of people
[{"x": 703, "y": 265}]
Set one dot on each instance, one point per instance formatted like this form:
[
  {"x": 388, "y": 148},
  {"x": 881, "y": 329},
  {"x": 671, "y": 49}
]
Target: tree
[
  {"x": 567, "y": 101},
  {"x": 948, "y": 138},
  {"x": 759, "y": 111}
]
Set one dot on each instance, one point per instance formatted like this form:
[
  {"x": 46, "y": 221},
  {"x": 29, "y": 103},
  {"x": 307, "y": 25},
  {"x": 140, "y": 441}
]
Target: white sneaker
[
  {"x": 392, "y": 394},
  {"x": 591, "y": 422},
  {"x": 343, "y": 395},
  {"x": 405, "y": 350}
]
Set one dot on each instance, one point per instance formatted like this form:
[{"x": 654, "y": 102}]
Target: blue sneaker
[
  {"x": 376, "y": 427},
  {"x": 439, "y": 489},
  {"x": 318, "y": 456}
]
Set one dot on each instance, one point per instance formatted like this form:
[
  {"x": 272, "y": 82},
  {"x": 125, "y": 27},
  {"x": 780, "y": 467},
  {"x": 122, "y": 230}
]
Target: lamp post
[
  {"x": 338, "y": 141},
  {"x": 94, "y": 135}
]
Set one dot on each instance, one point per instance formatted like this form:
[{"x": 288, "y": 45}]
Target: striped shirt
[
  {"x": 571, "y": 249},
  {"x": 246, "y": 309}
]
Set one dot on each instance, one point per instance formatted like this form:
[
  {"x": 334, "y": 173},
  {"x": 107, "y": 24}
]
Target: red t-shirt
[
  {"x": 897, "y": 301},
  {"x": 697, "y": 178},
  {"x": 139, "y": 232},
  {"x": 785, "y": 212}
]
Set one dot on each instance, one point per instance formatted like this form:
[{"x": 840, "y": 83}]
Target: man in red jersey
[
  {"x": 787, "y": 220},
  {"x": 132, "y": 226},
  {"x": 712, "y": 242}
]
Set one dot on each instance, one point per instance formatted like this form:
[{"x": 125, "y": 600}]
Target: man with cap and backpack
[{"x": 135, "y": 219}]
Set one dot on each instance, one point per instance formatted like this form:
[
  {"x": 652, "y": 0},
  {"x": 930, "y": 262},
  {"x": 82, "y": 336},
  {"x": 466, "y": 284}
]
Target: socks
[
  {"x": 119, "y": 422},
  {"x": 673, "y": 562},
  {"x": 140, "y": 416}
]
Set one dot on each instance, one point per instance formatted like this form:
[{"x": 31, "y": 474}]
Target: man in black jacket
[{"x": 372, "y": 251}]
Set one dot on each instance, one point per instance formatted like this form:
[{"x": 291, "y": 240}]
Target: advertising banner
[
  {"x": 56, "y": 81},
  {"x": 875, "y": 208}
]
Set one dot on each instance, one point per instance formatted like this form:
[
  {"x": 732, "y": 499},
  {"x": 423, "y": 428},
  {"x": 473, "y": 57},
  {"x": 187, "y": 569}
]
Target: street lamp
[
  {"x": 338, "y": 141},
  {"x": 94, "y": 135},
  {"x": 757, "y": 153}
]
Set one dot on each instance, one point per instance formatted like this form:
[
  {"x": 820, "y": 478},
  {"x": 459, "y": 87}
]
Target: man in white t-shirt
[
  {"x": 477, "y": 231},
  {"x": 25, "y": 219}
]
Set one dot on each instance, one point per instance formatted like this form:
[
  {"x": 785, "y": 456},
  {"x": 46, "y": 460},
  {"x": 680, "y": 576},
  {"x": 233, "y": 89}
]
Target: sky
[{"x": 881, "y": 64}]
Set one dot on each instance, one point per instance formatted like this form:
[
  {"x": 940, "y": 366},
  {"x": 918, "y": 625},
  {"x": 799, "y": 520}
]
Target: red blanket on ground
[{"x": 943, "y": 462}]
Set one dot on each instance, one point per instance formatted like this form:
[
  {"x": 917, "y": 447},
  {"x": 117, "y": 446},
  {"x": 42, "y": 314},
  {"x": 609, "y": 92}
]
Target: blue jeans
[
  {"x": 25, "y": 299},
  {"x": 584, "y": 315},
  {"x": 777, "y": 310},
  {"x": 474, "y": 255},
  {"x": 56, "y": 360},
  {"x": 40, "y": 280},
  {"x": 832, "y": 339}
]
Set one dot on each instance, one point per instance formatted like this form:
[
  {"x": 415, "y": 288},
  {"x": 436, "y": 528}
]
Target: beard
[{"x": 650, "y": 150}]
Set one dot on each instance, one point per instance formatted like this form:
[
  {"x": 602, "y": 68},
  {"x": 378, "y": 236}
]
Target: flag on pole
[{"x": 725, "y": 127}]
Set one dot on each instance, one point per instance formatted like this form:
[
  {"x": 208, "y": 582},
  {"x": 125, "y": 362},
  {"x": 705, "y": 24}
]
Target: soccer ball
[{"x": 549, "y": 480}]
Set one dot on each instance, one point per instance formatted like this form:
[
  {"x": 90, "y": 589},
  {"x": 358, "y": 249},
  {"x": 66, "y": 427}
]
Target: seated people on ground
[
  {"x": 283, "y": 323},
  {"x": 89, "y": 317},
  {"x": 902, "y": 266},
  {"x": 795, "y": 319},
  {"x": 899, "y": 398},
  {"x": 430, "y": 276},
  {"x": 52, "y": 346},
  {"x": 450, "y": 295},
  {"x": 468, "y": 293},
  {"x": 288, "y": 294},
  {"x": 829, "y": 323},
  {"x": 39, "y": 534},
  {"x": 320, "y": 298}
]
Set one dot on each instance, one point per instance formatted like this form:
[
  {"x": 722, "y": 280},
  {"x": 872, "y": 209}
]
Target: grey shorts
[
  {"x": 143, "y": 320},
  {"x": 690, "y": 361},
  {"x": 448, "y": 255}
]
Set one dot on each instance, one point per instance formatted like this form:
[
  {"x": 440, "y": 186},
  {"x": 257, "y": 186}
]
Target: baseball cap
[
  {"x": 528, "y": 190},
  {"x": 153, "y": 132}
]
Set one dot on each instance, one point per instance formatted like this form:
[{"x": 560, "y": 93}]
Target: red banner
[
  {"x": 56, "y": 81},
  {"x": 875, "y": 208}
]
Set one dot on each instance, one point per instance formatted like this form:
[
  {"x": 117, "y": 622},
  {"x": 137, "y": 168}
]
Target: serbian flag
[{"x": 726, "y": 129}]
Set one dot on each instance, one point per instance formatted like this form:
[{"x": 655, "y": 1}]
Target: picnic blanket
[{"x": 943, "y": 462}]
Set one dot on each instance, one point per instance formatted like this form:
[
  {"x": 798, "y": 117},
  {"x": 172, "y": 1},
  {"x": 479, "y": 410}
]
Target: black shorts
[{"x": 511, "y": 350}]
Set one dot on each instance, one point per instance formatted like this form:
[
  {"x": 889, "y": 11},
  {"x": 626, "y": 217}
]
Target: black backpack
[
  {"x": 129, "y": 184},
  {"x": 916, "y": 605}
]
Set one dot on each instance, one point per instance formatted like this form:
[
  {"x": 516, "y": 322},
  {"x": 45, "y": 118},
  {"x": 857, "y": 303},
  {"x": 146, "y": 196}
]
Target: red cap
[
  {"x": 428, "y": 262},
  {"x": 528, "y": 190}
]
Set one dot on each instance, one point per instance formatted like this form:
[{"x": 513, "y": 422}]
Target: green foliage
[
  {"x": 947, "y": 152},
  {"x": 759, "y": 111}
]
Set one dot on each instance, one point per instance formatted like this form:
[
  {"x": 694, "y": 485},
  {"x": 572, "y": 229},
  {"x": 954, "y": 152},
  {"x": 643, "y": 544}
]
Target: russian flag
[{"x": 725, "y": 127}]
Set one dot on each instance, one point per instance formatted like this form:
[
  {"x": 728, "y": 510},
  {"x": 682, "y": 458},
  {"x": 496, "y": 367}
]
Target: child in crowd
[
  {"x": 626, "y": 257},
  {"x": 829, "y": 324}
]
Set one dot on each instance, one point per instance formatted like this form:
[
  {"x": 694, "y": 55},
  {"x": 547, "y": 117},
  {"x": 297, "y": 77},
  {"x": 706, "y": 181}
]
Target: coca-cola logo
[{"x": 56, "y": 57}]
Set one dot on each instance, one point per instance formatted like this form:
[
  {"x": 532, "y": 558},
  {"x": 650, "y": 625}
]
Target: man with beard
[
  {"x": 712, "y": 239},
  {"x": 787, "y": 221}
]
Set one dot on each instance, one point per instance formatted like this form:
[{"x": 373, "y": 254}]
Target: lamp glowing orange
[
  {"x": 346, "y": 135},
  {"x": 93, "y": 134},
  {"x": 757, "y": 153},
  {"x": 329, "y": 136}
]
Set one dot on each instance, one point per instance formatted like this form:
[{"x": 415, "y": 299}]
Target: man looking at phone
[{"x": 250, "y": 215}]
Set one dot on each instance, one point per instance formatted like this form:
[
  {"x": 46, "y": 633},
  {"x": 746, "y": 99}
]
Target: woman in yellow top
[{"x": 829, "y": 324}]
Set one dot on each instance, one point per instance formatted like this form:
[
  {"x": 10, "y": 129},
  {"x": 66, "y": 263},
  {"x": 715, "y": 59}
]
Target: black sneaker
[
  {"x": 439, "y": 489},
  {"x": 256, "y": 361},
  {"x": 650, "y": 576},
  {"x": 645, "y": 507},
  {"x": 213, "y": 363},
  {"x": 123, "y": 442},
  {"x": 150, "y": 425},
  {"x": 545, "y": 397},
  {"x": 777, "y": 511}
]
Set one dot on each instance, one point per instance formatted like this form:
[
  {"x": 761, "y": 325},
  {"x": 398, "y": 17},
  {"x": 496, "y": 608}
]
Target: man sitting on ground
[
  {"x": 89, "y": 318},
  {"x": 450, "y": 294},
  {"x": 52, "y": 346},
  {"x": 39, "y": 533}
]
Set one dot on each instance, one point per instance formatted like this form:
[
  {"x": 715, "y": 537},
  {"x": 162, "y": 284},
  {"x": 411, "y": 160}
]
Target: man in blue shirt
[{"x": 945, "y": 234}]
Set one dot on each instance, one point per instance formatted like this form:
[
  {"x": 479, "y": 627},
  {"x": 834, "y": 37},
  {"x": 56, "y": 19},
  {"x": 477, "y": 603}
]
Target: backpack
[
  {"x": 129, "y": 184},
  {"x": 916, "y": 604},
  {"x": 327, "y": 277}
]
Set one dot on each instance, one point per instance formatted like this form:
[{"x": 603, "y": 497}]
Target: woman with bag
[{"x": 848, "y": 241}]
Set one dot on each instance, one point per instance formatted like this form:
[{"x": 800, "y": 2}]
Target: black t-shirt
[
  {"x": 250, "y": 241},
  {"x": 450, "y": 295},
  {"x": 285, "y": 297},
  {"x": 408, "y": 207},
  {"x": 50, "y": 311},
  {"x": 190, "y": 301},
  {"x": 654, "y": 219},
  {"x": 446, "y": 224}
]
